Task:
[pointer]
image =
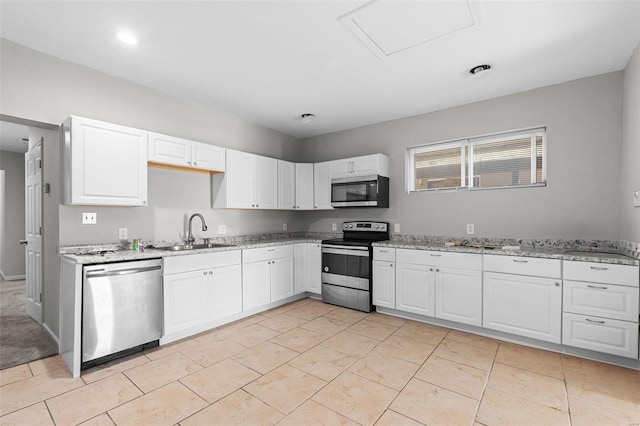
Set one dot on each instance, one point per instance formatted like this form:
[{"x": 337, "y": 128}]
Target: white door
[
  {"x": 384, "y": 284},
  {"x": 281, "y": 278},
  {"x": 286, "y": 185},
  {"x": 267, "y": 183},
  {"x": 313, "y": 267},
  {"x": 241, "y": 180},
  {"x": 256, "y": 286},
  {"x": 322, "y": 186},
  {"x": 304, "y": 186},
  {"x": 33, "y": 231},
  {"x": 224, "y": 292},
  {"x": 459, "y": 295},
  {"x": 415, "y": 289},
  {"x": 185, "y": 300}
]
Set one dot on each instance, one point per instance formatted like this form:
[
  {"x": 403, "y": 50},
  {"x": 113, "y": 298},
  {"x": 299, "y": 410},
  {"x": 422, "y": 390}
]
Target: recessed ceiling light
[
  {"x": 307, "y": 118},
  {"x": 127, "y": 38}
]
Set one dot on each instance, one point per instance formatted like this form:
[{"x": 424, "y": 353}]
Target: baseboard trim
[
  {"x": 12, "y": 277},
  {"x": 53, "y": 336}
]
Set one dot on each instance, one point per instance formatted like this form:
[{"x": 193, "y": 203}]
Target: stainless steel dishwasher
[{"x": 121, "y": 309}]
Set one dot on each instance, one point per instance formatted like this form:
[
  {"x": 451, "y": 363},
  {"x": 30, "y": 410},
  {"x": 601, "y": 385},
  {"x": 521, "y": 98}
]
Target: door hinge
[{"x": 46, "y": 188}]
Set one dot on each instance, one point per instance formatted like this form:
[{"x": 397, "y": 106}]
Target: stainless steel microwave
[{"x": 360, "y": 191}]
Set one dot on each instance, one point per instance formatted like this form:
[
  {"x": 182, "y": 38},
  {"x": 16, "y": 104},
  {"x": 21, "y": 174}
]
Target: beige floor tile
[
  {"x": 167, "y": 405},
  {"x": 425, "y": 333},
  {"x": 313, "y": 414},
  {"x": 355, "y": 397},
  {"x": 350, "y": 344},
  {"x": 322, "y": 362},
  {"x": 299, "y": 340},
  {"x": 385, "y": 370},
  {"x": 499, "y": 408},
  {"x": 524, "y": 384},
  {"x": 391, "y": 418},
  {"x": 239, "y": 408},
  {"x": 407, "y": 349},
  {"x": 265, "y": 357},
  {"x": 311, "y": 310},
  {"x": 213, "y": 352},
  {"x": 459, "y": 378},
  {"x": 26, "y": 392},
  {"x": 285, "y": 388},
  {"x": 280, "y": 310},
  {"x": 386, "y": 319},
  {"x": 253, "y": 335},
  {"x": 162, "y": 371},
  {"x": 325, "y": 325},
  {"x": 219, "y": 334},
  {"x": 584, "y": 413},
  {"x": 433, "y": 405},
  {"x": 219, "y": 380},
  {"x": 531, "y": 359},
  {"x": 14, "y": 374},
  {"x": 347, "y": 315},
  {"x": 45, "y": 365},
  {"x": 162, "y": 351},
  {"x": 35, "y": 415},
  {"x": 245, "y": 322},
  {"x": 473, "y": 339},
  {"x": 463, "y": 353},
  {"x": 89, "y": 401},
  {"x": 372, "y": 329},
  {"x": 101, "y": 420},
  {"x": 112, "y": 368},
  {"x": 282, "y": 323}
]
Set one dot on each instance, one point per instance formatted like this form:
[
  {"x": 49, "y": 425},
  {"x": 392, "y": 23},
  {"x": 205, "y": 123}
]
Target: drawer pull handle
[
  {"x": 520, "y": 261},
  {"x": 599, "y": 268},
  {"x": 436, "y": 255},
  {"x": 594, "y": 321},
  {"x": 270, "y": 249},
  {"x": 598, "y": 287},
  {"x": 383, "y": 251}
]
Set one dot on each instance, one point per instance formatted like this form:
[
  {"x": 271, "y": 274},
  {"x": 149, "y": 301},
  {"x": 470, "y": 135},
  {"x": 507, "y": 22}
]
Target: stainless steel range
[{"x": 346, "y": 264}]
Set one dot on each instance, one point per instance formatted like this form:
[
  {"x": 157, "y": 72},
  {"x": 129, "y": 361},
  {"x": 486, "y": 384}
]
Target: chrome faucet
[{"x": 190, "y": 238}]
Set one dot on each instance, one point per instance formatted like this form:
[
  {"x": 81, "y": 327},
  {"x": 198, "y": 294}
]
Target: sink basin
[{"x": 182, "y": 247}]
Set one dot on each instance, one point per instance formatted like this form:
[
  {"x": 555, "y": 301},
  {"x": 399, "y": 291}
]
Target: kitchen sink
[{"x": 182, "y": 247}]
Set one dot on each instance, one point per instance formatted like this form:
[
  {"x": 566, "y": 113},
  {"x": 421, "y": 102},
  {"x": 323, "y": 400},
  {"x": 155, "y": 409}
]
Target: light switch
[
  {"x": 284, "y": 226},
  {"x": 471, "y": 229},
  {"x": 122, "y": 233},
  {"x": 89, "y": 218},
  {"x": 396, "y": 227},
  {"x": 334, "y": 226},
  {"x": 222, "y": 229}
]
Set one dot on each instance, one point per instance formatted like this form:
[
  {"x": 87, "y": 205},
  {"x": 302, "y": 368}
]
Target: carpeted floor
[{"x": 21, "y": 338}]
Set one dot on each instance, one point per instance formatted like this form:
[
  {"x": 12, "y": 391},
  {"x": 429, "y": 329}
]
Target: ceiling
[
  {"x": 12, "y": 137},
  {"x": 351, "y": 63}
]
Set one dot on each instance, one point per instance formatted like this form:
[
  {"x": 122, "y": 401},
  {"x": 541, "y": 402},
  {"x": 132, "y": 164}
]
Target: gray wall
[
  {"x": 582, "y": 199},
  {"x": 630, "y": 216},
  {"x": 12, "y": 254}
]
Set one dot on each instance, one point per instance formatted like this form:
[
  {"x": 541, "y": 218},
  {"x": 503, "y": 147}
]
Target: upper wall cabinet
[
  {"x": 250, "y": 182},
  {"x": 104, "y": 164},
  {"x": 169, "y": 150},
  {"x": 304, "y": 186},
  {"x": 322, "y": 185},
  {"x": 375, "y": 164},
  {"x": 286, "y": 185}
]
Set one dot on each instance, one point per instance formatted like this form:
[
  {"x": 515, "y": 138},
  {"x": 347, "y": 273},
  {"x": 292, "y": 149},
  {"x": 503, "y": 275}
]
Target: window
[{"x": 505, "y": 160}]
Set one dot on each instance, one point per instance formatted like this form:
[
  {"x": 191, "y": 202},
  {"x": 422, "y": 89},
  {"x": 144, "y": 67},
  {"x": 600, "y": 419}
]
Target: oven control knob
[
  {"x": 326, "y": 269},
  {"x": 377, "y": 226}
]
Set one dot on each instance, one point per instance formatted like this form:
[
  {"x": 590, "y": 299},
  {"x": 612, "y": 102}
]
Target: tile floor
[{"x": 309, "y": 363}]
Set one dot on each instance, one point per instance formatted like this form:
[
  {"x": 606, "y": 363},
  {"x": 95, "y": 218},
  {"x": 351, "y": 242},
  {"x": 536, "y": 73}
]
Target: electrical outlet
[
  {"x": 122, "y": 233},
  {"x": 471, "y": 229},
  {"x": 396, "y": 227},
  {"x": 222, "y": 229},
  {"x": 636, "y": 199},
  {"x": 89, "y": 218},
  {"x": 334, "y": 226},
  {"x": 284, "y": 226}
]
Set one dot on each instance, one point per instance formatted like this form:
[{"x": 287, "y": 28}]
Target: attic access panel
[{"x": 387, "y": 27}]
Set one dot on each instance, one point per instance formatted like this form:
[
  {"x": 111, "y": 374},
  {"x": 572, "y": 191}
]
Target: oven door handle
[{"x": 346, "y": 250}]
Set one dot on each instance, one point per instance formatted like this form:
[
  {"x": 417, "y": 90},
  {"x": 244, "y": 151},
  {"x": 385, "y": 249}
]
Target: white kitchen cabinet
[
  {"x": 308, "y": 264},
  {"x": 267, "y": 275},
  {"x": 384, "y": 284},
  {"x": 250, "y": 182},
  {"x": 322, "y": 186},
  {"x": 104, "y": 164},
  {"x": 304, "y": 186},
  {"x": 601, "y": 300},
  {"x": 170, "y": 150},
  {"x": 200, "y": 289},
  {"x": 600, "y": 334},
  {"x": 286, "y": 185},
  {"x": 415, "y": 288},
  {"x": 459, "y": 295},
  {"x": 523, "y": 305},
  {"x": 374, "y": 164}
]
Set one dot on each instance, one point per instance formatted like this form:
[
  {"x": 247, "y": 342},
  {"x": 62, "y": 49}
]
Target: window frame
[{"x": 467, "y": 171}]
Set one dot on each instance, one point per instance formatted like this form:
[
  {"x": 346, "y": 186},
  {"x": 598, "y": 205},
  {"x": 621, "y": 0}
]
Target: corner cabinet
[
  {"x": 304, "y": 186},
  {"x": 183, "y": 153},
  {"x": 104, "y": 164},
  {"x": 308, "y": 265},
  {"x": 250, "y": 182}
]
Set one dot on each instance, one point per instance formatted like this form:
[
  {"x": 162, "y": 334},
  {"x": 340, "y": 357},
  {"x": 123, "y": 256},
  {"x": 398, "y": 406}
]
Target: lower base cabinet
[
  {"x": 459, "y": 295},
  {"x": 267, "y": 275},
  {"x": 307, "y": 264},
  {"x": 415, "y": 289},
  {"x": 384, "y": 284},
  {"x": 600, "y": 334}
]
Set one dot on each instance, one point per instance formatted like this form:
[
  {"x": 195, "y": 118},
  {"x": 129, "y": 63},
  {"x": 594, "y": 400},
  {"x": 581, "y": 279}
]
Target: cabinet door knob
[
  {"x": 437, "y": 270},
  {"x": 204, "y": 273},
  {"x": 430, "y": 269},
  {"x": 210, "y": 272},
  {"x": 557, "y": 284},
  {"x": 391, "y": 265}
]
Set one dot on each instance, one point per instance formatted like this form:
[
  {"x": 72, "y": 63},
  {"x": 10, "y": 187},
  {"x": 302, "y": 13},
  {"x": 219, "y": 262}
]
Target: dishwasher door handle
[{"x": 100, "y": 273}]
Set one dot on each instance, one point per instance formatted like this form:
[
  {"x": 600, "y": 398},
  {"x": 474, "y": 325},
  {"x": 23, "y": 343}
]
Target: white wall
[
  {"x": 630, "y": 216},
  {"x": 12, "y": 257},
  {"x": 582, "y": 199}
]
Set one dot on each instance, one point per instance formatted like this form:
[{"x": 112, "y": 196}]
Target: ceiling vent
[{"x": 387, "y": 27}]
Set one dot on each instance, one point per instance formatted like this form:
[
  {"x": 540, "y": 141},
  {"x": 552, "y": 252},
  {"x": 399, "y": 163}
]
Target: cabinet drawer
[
  {"x": 194, "y": 262},
  {"x": 523, "y": 265},
  {"x": 267, "y": 253},
  {"x": 601, "y": 273},
  {"x": 601, "y": 300},
  {"x": 439, "y": 258},
  {"x": 602, "y": 335},
  {"x": 384, "y": 253}
]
